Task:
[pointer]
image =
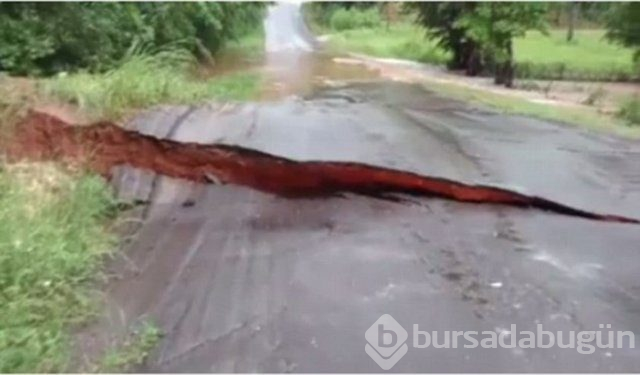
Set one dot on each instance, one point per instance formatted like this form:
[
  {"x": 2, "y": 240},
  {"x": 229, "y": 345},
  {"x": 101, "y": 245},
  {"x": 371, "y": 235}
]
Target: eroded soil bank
[{"x": 105, "y": 145}]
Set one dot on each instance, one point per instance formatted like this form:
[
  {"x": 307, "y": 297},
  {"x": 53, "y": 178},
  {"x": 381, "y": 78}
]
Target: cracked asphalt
[{"x": 244, "y": 281}]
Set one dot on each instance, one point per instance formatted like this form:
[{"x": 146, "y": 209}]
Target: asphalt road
[{"x": 243, "y": 281}]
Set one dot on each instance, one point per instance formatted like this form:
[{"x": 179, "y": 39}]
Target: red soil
[{"x": 104, "y": 145}]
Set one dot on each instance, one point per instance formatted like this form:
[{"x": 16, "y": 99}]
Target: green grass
[
  {"x": 589, "y": 118},
  {"x": 588, "y": 57},
  {"x": 52, "y": 241},
  {"x": 133, "y": 352},
  {"x": 403, "y": 41},
  {"x": 144, "y": 80}
]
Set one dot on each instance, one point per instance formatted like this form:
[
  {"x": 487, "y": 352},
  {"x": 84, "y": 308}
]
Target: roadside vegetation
[
  {"x": 588, "y": 57},
  {"x": 109, "y": 59},
  {"x": 105, "y": 60},
  {"x": 53, "y": 238},
  {"x": 537, "y": 56},
  {"x": 400, "y": 41},
  {"x": 630, "y": 111},
  {"x": 144, "y": 80},
  {"x": 44, "y": 39},
  {"x": 133, "y": 352},
  {"x": 505, "y": 40}
]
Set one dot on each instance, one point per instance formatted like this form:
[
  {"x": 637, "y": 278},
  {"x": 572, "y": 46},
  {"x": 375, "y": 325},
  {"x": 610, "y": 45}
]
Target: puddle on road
[
  {"x": 230, "y": 61},
  {"x": 289, "y": 72},
  {"x": 294, "y": 72}
]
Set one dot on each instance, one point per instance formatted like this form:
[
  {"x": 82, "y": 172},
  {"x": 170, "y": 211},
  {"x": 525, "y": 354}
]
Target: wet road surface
[{"x": 243, "y": 281}]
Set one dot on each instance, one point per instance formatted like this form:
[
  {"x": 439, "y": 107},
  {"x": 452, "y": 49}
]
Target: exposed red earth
[{"x": 104, "y": 145}]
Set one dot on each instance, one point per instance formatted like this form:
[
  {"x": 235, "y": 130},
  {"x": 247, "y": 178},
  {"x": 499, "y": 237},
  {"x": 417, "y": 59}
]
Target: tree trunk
[
  {"x": 509, "y": 68},
  {"x": 458, "y": 49},
  {"x": 474, "y": 63},
  {"x": 573, "y": 13},
  {"x": 504, "y": 72},
  {"x": 467, "y": 57}
]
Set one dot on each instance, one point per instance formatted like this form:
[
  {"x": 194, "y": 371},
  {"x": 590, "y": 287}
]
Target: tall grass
[
  {"x": 51, "y": 241},
  {"x": 142, "y": 80}
]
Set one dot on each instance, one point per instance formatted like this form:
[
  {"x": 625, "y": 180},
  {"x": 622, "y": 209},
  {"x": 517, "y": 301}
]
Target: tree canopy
[{"x": 623, "y": 25}]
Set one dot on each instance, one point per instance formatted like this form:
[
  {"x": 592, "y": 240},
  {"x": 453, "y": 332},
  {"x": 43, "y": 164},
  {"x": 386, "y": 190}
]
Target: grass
[
  {"x": 144, "y": 80},
  {"x": 588, "y": 57},
  {"x": 403, "y": 41},
  {"x": 133, "y": 352},
  {"x": 586, "y": 117},
  {"x": 53, "y": 239}
]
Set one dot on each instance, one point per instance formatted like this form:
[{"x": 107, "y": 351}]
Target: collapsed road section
[{"x": 104, "y": 145}]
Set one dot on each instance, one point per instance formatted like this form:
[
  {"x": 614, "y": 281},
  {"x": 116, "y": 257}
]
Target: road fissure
[{"x": 105, "y": 145}]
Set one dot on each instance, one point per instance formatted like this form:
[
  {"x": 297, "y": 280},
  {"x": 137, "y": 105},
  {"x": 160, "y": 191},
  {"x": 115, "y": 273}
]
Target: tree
[
  {"x": 480, "y": 35},
  {"x": 494, "y": 25},
  {"x": 623, "y": 26},
  {"x": 440, "y": 22}
]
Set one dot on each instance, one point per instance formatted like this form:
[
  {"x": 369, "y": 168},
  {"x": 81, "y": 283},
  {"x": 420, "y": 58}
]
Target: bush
[
  {"x": 348, "y": 19},
  {"x": 630, "y": 111},
  {"x": 45, "y": 38}
]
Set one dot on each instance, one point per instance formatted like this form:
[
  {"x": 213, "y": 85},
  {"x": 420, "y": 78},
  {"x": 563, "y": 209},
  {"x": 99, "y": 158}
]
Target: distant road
[{"x": 285, "y": 29}]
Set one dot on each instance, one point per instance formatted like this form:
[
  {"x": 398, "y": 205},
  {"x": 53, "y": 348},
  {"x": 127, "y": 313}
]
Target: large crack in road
[
  {"x": 106, "y": 145},
  {"x": 254, "y": 255}
]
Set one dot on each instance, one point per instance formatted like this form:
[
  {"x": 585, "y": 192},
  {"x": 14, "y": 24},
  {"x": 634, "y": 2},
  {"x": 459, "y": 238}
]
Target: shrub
[
  {"x": 46, "y": 38},
  {"x": 348, "y": 19}
]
